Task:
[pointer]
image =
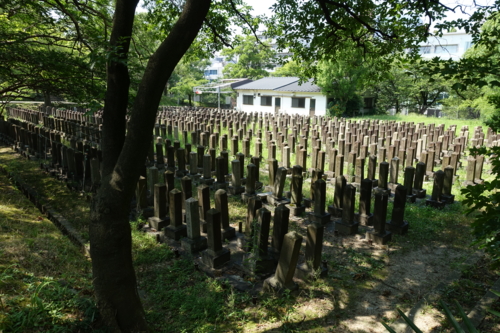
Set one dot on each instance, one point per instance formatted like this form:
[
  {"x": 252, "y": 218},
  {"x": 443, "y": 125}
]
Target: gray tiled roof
[
  {"x": 307, "y": 86},
  {"x": 268, "y": 83},
  {"x": 281, "y": 84}
]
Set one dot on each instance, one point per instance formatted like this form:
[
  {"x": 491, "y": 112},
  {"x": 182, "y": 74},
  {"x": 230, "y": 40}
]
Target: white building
[
  {"x": 215, "y": 70},
  {"x": 281, "y": 94},
  {"x": 452, "y": 45}
]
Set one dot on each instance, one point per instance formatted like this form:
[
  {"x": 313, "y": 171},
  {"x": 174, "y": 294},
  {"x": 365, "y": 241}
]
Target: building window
[
  {"x": 247, "y": 99},
  {"x": 446, "y": 48},
  {"x": 266, "y": 101},
  {"x": 424, "y": 50},
  {"x": 298, "y": 102},
  {"x": 210, "y": 72}
]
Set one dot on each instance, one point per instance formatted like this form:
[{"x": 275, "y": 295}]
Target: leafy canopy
[{"x": 250, "y": 58}]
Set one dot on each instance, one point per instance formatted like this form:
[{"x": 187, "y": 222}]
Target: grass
[
  {"x": 45, "y": 282},
  {"x": 72, "y": 205},
  {"x": 178, "y": 298}
]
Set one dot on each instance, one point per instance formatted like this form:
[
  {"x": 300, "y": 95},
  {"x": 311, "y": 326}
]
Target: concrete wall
[
  {"x": 286, "y": 102},
  {"x": 452, "y": 45}
]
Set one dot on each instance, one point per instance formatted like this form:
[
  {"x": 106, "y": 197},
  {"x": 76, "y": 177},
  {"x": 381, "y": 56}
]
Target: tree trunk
[
  {"x": 189, "y": 98},
  {"x": 46, "y": 98},
  {"x": 124, "y": 154}
]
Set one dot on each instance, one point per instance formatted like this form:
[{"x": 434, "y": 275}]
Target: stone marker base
[
  {"x": 268, "y": 188},
  {"x": 329, "y": 174},
  {"x": 228, "y": 233},
  {"x": 479, "y": 181},
  {"x": 175, "y": 232},
  {"x": 429, "y": 175},
  {"x": 296, "y": 210},
  {"x": 364, "y": 219},
  {"x": 273, "y": 285},
  {"x": 235, "y": 190},
  {"x": 195, "y": 177},
  {"x": 378, "y": 238},
  {"x": 374, "y": 183},
  {"x": 383, "y": 191},
  {"x": 448, "y": 199},
  {"x": 335, "y": 212},
  {"x": 220, "y": 186},
  {"x": 356, "y": 185},
  {"x": 411, "y": 198},
  {"x": 272, "y": 200},
  {"x": 308, "y": 202},
  {"x": 207, "y": 181},
  {"x": 157, "y": 223},
  {"x": 434, "y": 203},
  {"x": 203, "y": 226},
  {"x": 421, "y": 193},
  {"x": 180, "y": 173},
  {"x": 392, "y": 186},
  {"x": 321, "y": 219},
  {"x": 215, "y": 259},
  {"x": 397, "y": 229},
  {"x": 258, "y": 185},
  {"x": 468, "y": 183},
  {"x": 346, "y": 229},
  {"x": 194, "y": 245},
  {"x": 304, "y": 273},
  {"x": 245, "y": 197}
]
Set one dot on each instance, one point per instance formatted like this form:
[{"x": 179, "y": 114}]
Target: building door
[
  {"x": 312, "y": 107},
  {"x": 277, "y": 104}
]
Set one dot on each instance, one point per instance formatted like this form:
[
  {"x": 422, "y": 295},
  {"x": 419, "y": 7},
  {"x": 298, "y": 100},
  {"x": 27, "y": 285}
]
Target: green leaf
[
  {"x": 496, "y": 313},
  {"x": 450, "y": 318},
  {"x": 409, "y": 322},
  {"x": 466, "y": 319},
  {"x": 388, "y": 328}
]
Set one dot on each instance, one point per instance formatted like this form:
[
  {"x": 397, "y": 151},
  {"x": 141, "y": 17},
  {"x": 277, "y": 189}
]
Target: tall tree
[
  {"x": 407, "y": 85},
  {"x": 51, "y": 48},
  {"x": 251, "y": 58},
  {"x": 480, "y": 66},
  {"x": 124, "y": 146},
  {"x": 343, "y": 78},
  {"x": 189, "y": 74},
  {"x": 290, "y": 68}
]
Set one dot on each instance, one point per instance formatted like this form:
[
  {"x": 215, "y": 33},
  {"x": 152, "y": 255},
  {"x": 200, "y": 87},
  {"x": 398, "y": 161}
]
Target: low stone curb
[
  {"x": 477, "y": 314},
  {"x": 59, "y": 221}
]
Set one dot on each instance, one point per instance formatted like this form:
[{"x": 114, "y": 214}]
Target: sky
[{"x": 262, "y": 6}]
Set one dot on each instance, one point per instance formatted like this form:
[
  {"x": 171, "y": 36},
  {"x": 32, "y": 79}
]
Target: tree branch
[
  {"x": 75, "y": 23},
  {"x": 240, "y": 15},
  {"x": 217, "y": 35},
  {"x": 348, "y": 9}
]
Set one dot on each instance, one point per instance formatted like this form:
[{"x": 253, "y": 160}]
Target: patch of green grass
[
  {"x": 54, "y": 193},
  {"x": 45, "y": 282}
]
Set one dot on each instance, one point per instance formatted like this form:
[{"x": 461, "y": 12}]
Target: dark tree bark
[
  {"x": 46, "y": 98},
  {"x": 124, "y": 152}
]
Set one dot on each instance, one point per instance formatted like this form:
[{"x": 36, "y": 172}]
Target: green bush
[{"x": 483, "y": 200}]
